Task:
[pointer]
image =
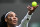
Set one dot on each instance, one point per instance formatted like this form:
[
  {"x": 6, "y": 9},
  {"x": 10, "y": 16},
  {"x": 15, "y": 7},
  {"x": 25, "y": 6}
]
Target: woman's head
[{"x": 11, "y": 18}]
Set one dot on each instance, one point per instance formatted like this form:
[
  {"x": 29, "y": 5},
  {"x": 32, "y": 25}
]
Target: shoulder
[
  {"x": 1, "y": 24},
  {"x": 16, "y": 26}
]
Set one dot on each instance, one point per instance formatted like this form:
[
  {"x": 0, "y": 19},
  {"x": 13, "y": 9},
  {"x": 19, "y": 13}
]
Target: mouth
[{"x": 14, "y": 21}]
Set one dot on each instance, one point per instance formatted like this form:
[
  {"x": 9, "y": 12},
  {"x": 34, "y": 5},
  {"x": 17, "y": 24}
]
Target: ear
[{"x": 5, "y": 19}]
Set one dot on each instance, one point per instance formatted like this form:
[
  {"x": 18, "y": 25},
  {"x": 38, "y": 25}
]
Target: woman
[{"x": 11, "y": 20}]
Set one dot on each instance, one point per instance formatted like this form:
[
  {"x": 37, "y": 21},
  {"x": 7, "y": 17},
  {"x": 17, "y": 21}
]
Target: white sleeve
[{"x": 25, "y": 20}]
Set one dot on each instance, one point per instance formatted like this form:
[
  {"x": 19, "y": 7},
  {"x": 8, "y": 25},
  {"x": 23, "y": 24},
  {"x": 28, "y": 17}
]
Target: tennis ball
[{"x": 34, "y": 4}]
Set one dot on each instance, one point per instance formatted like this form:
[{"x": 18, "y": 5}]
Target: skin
[
  {"x": 12, "y": 20},
  {"x": 31, "y": 9}
]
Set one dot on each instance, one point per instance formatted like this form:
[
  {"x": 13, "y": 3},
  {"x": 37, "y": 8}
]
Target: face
[{"x": 12, "y": 18}]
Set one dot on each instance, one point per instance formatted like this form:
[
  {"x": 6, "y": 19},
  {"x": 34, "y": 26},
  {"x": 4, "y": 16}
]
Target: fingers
[
  {"x": 36, "y": 6},
  {"x": 32, "y": 8},
  {"x": 29, "y": 7}
]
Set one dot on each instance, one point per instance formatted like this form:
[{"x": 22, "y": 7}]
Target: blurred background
[{"x": 19, "y": 7}]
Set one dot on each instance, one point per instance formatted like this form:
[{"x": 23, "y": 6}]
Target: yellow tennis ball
[{"x": 34, "y": 3}]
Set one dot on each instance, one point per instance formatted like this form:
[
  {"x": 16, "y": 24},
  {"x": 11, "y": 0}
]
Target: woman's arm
[{"x": 26, "y": 19}]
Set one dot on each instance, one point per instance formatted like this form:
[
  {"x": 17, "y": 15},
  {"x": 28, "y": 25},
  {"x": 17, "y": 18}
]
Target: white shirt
[{"x": 25, "y": 20}]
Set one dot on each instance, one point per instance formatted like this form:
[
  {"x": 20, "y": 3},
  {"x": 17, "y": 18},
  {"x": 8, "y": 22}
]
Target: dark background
[{"x": 19, "y": 7}]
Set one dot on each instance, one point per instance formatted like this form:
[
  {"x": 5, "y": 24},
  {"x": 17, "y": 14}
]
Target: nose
[{"x": 14, "y": 18}]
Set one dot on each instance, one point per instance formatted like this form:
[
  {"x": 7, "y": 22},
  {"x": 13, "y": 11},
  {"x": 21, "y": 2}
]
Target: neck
[{"x": 11, "y": 25}]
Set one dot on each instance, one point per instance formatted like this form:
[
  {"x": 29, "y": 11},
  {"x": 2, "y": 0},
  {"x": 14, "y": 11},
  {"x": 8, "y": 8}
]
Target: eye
[
  {"x": 15, "y": 16},
  {"x": 11, "y": 15}
]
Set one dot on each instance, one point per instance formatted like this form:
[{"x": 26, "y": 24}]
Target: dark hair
[{"x": 4, "y": 24}]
